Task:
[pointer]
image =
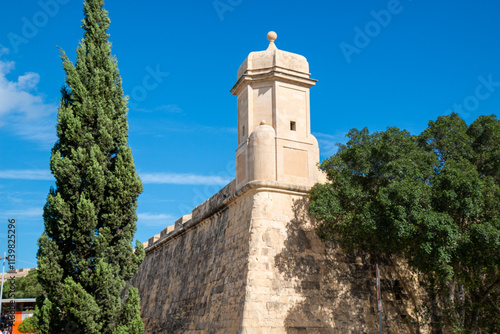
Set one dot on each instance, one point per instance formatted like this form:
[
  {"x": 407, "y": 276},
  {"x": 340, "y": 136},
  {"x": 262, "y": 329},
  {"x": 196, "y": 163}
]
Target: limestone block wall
[
  {"x": 297, "y": 283},
  {"x": 250, "y": 262},
  {"x": 192, "y": 280}
]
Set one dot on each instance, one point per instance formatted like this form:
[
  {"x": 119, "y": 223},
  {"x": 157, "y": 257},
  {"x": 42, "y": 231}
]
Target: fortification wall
[
  {"x": 193, "y": 277},
  {"x": 250, "y": 262},
  {"x": 297, "y": 283}
]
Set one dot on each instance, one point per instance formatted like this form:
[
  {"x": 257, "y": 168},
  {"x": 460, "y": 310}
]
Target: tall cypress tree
[{"x": 85, "y": 254}]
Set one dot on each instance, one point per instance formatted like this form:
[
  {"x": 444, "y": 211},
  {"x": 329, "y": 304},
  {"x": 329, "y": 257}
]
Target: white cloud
[
  {"x": 148, "y": 178},
  {"x": 27, "y": 174},
  {"x": 25, "y": 213},
  {"x": 28, "y": 81},
  {"x": 149, "y": 219},
  {"x": 149, "y": 216},
  {"x": 214, "y": 130},
  {"x": 169, "y": 108},
  {"x": 328, "y": 143},
  {"x": 184, "y": 179},
  {"x": 24, "y": 109}
]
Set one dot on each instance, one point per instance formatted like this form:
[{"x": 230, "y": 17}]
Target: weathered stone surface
[
  {"x": 255, "y": 265},
  {"x": 195, "y": 280}
]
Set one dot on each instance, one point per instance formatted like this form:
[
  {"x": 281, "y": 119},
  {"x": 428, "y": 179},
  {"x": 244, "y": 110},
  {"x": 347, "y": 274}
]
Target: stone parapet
[
  {"x": 202, "y": 211},
  {"x": 215, "y": 204}
]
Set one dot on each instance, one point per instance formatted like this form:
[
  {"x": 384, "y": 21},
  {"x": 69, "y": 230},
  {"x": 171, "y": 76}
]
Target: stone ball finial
[{"x": 271, "y": 36}]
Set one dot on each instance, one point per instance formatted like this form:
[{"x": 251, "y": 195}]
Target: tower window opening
[
  {"x": 243, "y": 132},
  {"x": 293, "y": 126}
]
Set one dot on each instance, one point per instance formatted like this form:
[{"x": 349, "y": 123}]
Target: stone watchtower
[
  {"x": 248, "y": 260},
  {"x": 274, "y": 124}
]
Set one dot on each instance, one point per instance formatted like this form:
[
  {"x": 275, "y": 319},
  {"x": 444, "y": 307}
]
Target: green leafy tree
[
  {"x": 432, "y": 199},
  {"x": 29, "y": 325},
  {"x": 85, "y": 254},
  {"x": 26, "y": 287}
]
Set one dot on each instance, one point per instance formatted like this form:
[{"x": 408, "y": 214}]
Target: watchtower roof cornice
[
  {"x": 274, "y": 59},
  {"x": 276, "y": 73}
]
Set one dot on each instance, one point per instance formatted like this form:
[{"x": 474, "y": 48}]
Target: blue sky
[{"x": 378, "y": 63}]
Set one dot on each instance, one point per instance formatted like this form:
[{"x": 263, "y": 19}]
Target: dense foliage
[
  {"x": 26, "y": 287},
  {"x": 433, "y": 199},
  {"x": 85, "y": 254},
  {"x": 29, "y": 325}
]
